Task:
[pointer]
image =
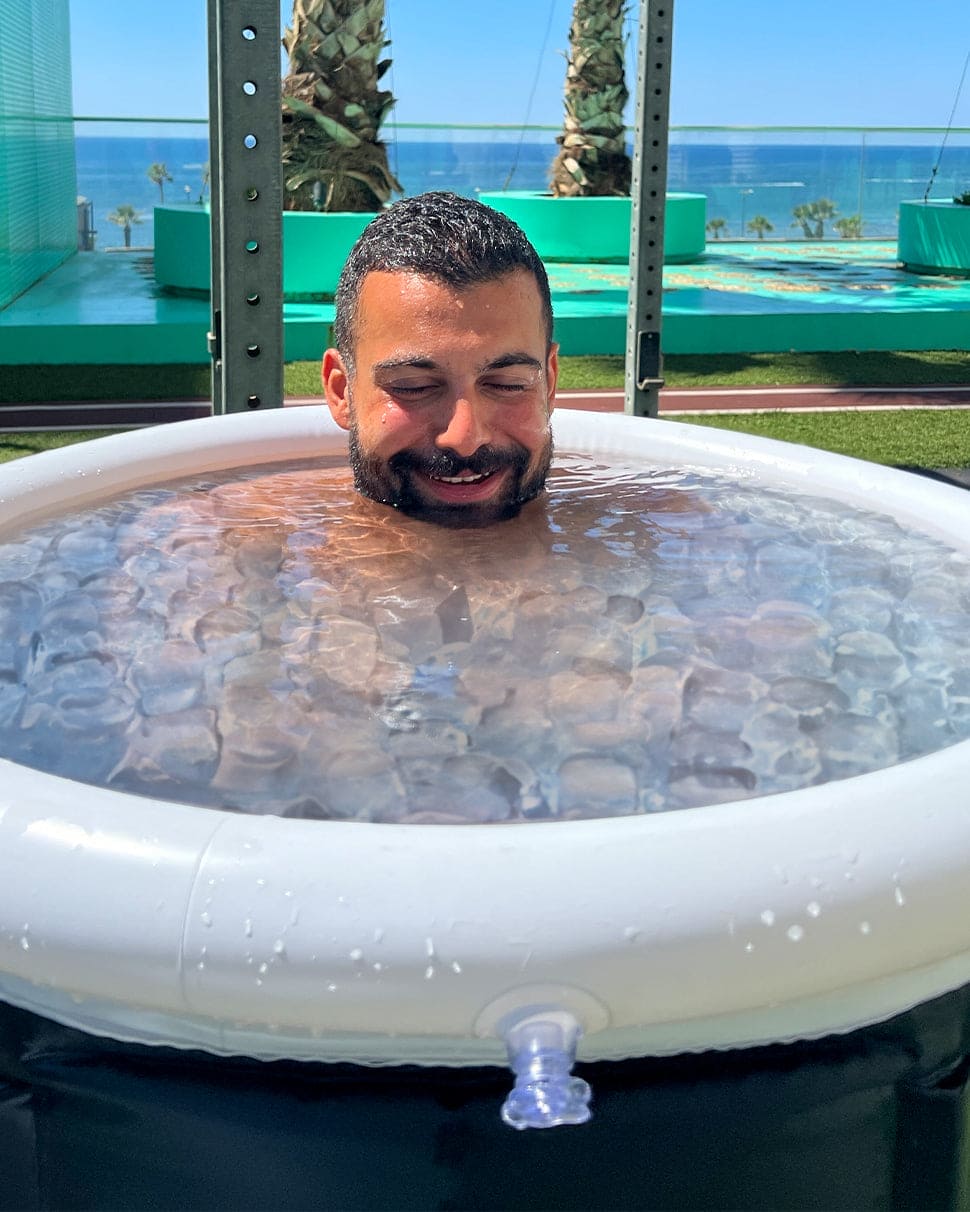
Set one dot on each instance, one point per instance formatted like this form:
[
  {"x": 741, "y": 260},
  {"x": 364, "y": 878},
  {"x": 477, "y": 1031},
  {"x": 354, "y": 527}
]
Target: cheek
[
  {"x": 531, "y": 431},
  {"x": 385, "y": 425}
]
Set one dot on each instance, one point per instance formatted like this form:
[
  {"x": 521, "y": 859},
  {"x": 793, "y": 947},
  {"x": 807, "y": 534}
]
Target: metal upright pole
[
  {"x": 644, "y": 363},
  {"x": 246, "y": 337}
]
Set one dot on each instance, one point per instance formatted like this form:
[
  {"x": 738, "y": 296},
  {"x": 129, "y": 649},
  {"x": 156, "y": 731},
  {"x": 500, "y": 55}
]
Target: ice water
[{"x": 267, "y": 641}]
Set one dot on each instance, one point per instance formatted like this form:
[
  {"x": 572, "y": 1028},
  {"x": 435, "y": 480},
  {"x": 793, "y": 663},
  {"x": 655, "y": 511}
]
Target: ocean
[{"x": 741, "y": 179}]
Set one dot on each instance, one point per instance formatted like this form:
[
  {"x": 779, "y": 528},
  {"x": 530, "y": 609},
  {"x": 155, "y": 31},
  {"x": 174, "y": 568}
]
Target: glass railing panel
[
  {"x": 471, "y": 159},
  {"x": 114, "y": 157},
  {"x": 755, "y": 179},
  {"x": 771, "y": 173}
]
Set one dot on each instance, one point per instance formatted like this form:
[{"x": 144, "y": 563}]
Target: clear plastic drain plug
[{"x": 542, "y": 1052}]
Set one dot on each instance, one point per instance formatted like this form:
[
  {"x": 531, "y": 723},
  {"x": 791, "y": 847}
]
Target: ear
[
  {"x": 336, "y": 387},
  {"x": 552, "y": 374}
]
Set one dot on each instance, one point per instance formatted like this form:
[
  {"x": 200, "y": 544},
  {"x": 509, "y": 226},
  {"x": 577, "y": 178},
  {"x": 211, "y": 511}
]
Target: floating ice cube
[
  {"x": 870, "y": 659},
  {"x": 860, "y": 608},
  {"x": 853, "y": 744},
  {"x": 721, "y": 699},
  {"x": 592, "y": 786},
  {"x": 172, "y": 680}
]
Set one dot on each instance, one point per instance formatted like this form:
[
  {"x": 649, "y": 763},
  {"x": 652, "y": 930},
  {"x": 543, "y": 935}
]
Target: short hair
[{"x": 442, "y": 236}]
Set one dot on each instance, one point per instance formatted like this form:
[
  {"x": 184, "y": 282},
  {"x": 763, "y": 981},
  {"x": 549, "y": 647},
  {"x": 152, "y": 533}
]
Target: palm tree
[
  {"x": 849, "y": 227},
  {"x": 822, "y": 209},
  {"x": 811, "y": 216},
  {"x": 593, "y": 160},
  {"x": 125, "y": 216},
  {"x": 803, "y": 217},
  {"x": 158, "y": 174},
  {"x": 759, "y": 225},
  {"x": 716, "y": 226},
  {"x": 333, "y": 107}
]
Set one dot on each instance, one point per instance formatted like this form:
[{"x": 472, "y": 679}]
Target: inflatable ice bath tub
[{"x": 778, "y": 918}]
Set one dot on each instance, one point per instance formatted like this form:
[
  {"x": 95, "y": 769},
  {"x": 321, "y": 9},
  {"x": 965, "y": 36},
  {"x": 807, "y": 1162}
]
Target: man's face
[{"x": 448, "y": 408}]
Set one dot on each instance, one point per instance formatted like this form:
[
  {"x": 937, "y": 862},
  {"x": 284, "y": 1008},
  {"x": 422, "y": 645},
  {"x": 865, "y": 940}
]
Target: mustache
[{"x": 485, "y": 461}]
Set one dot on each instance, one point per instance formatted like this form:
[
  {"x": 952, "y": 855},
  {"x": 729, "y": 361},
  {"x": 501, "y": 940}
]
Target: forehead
[{"x": 404, "y": 304}]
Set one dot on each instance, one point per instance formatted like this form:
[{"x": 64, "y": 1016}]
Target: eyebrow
[{"x": 515, "y": 358}]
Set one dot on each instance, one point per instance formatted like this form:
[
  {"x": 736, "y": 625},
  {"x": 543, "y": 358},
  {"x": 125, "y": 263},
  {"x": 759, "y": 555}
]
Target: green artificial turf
[
  {"x": 914, "y": 438},
  {"x": 885, "y": 369},
  {"x": 51, "y": 383},
  {"x": 14, "y": 445},
  {"x": 911, "y": 438},
  {"x": 904, "y": 369}
]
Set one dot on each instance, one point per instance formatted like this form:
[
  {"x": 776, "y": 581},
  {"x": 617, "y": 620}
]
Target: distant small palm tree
[
  {"x": 822, "y": 209},
  {"x": 125, "y": 217},
  {"x": 803, "y": 217},
  {"x": 158, "y": 174},
  {"x": 716, "y": 226},
  {"x": 811, "y": 216},
  {"x": 759, "y": 225},
  {"x": 849, "y": 227}
]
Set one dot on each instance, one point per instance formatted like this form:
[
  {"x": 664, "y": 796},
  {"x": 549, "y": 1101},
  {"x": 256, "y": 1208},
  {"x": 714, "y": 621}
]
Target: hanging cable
[
  {"x": 391, "y": 85},
  {"x": 946, "y": 133},
  {"x": 532, "y": 94}
]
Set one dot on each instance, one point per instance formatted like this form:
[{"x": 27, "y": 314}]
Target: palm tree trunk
[
  {"x": 333, "y": 107},
  {"x": 593, "y": 159}
]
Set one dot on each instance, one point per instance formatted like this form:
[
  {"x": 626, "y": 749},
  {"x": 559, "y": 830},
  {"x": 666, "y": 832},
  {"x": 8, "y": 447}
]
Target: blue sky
[{"x": 846, "y": 63}]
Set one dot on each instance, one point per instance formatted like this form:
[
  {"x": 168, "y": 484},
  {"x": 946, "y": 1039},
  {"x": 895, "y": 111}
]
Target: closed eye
[{"x": 410, "y": 391}]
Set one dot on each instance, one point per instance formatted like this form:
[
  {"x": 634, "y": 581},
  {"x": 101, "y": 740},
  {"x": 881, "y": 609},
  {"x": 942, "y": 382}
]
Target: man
[{"x": 445, "y": 368}]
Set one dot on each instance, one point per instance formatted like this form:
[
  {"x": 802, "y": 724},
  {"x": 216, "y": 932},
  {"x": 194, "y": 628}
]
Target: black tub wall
[{"x": 876, "y": 1119}]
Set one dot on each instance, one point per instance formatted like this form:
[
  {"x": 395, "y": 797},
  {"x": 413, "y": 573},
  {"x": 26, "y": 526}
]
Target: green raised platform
[
  {"x": 598, "y": 229},
  {"x": 315, "y": 248},
  {"x": 934, "y": 238},
  {"x": 740, "y": 297}
]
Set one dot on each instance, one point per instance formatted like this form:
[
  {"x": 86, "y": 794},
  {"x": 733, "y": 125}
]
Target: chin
[
  {"x": 464, "y": 517},
  {"x": 398, "y": 488}
]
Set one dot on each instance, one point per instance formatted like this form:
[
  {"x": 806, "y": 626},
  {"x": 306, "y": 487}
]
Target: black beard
[{"x": 394, "y": 483}]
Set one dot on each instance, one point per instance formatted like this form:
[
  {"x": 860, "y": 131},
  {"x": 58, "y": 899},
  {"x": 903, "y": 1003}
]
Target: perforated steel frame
[
  {"x": 644, "y": 361},
  {"x": 246, "y": 337}
]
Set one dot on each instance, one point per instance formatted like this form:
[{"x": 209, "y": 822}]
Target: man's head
[{"x": 445, "y": 369}]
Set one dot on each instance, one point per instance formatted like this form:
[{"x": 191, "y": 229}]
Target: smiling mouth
[
  {"x": 466, "y": 488},
  {"x": 469, "y": 477}
]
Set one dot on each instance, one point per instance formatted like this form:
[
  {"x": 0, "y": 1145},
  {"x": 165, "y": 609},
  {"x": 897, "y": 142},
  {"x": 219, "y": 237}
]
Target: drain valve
[{"x": 542, "y": 1052}]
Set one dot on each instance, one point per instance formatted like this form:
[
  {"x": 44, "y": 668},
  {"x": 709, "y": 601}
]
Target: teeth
[{"x": 466, "y": 479}]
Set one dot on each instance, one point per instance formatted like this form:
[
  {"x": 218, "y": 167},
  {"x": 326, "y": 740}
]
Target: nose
[{"x": 465, "y": 429}]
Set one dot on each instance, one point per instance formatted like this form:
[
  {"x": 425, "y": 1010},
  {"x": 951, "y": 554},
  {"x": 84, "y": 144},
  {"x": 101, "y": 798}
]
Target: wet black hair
[{"x": 442, "y": 236}]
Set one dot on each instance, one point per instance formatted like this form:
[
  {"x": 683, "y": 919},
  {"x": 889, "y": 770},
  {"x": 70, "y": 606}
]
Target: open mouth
[
  {"x": 468, "y": 477},
  {"x": 465, "y": 488}
]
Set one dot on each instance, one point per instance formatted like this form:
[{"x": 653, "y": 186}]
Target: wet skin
[{"x": 448, "y": 406}]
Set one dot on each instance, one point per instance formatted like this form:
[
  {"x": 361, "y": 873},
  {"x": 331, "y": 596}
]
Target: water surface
[{"x": 266, "y": 641}]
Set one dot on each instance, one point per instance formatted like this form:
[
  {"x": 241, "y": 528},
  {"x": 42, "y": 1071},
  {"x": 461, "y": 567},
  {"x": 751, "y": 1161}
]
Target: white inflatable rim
[{"x": 771, "y": 919}]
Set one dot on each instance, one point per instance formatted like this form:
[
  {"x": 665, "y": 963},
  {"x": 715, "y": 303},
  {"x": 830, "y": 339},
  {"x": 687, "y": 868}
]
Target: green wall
[{"x": 38, "y": 216}]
